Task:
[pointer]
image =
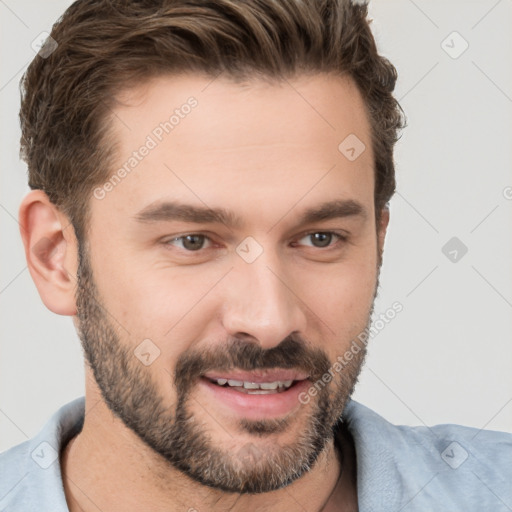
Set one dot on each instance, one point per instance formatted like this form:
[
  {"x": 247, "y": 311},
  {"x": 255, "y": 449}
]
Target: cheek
[
  {"x": 168, "y": 306},
  {"x": 341, "y": 297}
]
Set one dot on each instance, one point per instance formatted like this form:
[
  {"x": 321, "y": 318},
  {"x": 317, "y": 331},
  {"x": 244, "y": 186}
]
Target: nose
[{"x": 260, "y": 303}]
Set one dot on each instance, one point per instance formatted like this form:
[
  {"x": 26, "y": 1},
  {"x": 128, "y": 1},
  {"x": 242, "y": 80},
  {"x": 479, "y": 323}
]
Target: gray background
[{"x": 447, "y": 357}]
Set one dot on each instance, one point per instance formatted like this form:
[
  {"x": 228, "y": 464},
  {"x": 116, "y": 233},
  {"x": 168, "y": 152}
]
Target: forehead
[{"x": 210, "y": 140}]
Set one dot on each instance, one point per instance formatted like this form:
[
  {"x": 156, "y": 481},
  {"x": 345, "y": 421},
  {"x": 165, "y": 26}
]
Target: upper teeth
[{"x": 255, "y": 385}]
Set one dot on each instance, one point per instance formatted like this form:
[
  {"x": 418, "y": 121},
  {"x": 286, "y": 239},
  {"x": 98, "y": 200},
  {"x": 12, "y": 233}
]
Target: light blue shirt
[{"x": 443, "y": 468}]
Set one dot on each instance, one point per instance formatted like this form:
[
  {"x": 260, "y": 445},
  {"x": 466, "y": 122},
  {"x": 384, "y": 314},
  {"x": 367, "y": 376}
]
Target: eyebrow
[{"x": 168, "y": 211}]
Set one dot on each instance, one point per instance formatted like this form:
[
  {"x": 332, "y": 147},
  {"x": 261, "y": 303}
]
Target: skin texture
[{"x": 266, "y": 152}]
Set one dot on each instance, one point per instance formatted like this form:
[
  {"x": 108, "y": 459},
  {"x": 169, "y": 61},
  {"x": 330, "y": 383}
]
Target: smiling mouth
[
  {"x": 256, "y": 382},
  {"x": 257, "y": 394},
  {"x": 254, "y": 388}
]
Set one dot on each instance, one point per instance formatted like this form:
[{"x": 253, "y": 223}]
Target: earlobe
[{"x": 51, "y": 251}]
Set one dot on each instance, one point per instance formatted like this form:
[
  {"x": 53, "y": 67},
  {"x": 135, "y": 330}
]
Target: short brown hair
[{"x": 106, "y": 45}]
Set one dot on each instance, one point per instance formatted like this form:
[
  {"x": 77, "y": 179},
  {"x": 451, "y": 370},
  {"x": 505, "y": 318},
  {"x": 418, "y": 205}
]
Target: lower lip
[{"x": 257, "y": 407}]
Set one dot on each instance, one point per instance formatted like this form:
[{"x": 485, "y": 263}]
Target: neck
[{"x": 107, "y": 467}]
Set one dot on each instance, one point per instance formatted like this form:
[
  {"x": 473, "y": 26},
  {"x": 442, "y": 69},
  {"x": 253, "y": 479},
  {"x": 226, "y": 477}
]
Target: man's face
[{"x": 176, "y": 311}]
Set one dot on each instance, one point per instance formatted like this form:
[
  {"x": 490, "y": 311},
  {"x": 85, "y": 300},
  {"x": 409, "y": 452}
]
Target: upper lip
[{"x": 257, "y": 376}]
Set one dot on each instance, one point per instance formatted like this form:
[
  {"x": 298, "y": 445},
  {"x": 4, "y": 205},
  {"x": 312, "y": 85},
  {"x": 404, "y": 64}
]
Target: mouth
[
  {"x": 255, "y": 388},
  {"x": 258, "y": 394}
]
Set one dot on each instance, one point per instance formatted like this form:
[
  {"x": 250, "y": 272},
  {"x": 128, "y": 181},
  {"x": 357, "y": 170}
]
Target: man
[{"x": 210, "y": 186}]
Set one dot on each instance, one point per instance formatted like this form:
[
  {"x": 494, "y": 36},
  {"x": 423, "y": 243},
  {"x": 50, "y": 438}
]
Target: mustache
[{"x": 291, "y": 353}]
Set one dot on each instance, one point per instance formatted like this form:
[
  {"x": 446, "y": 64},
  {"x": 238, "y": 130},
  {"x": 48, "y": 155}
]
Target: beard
[{"x": 174, "y": 432}]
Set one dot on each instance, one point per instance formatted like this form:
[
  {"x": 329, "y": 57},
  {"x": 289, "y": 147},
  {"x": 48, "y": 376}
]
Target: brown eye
[
  {"x": 193, "y": 242},
  {"x": 321, "y": 239}
]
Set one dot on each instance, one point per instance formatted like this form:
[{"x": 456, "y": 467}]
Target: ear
[
  {"x": 381, "y": 231},
  {"x": 51, "y": 251}
]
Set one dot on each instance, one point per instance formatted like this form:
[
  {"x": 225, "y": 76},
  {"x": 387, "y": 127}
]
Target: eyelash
[{"x": 341, "y": 238}]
